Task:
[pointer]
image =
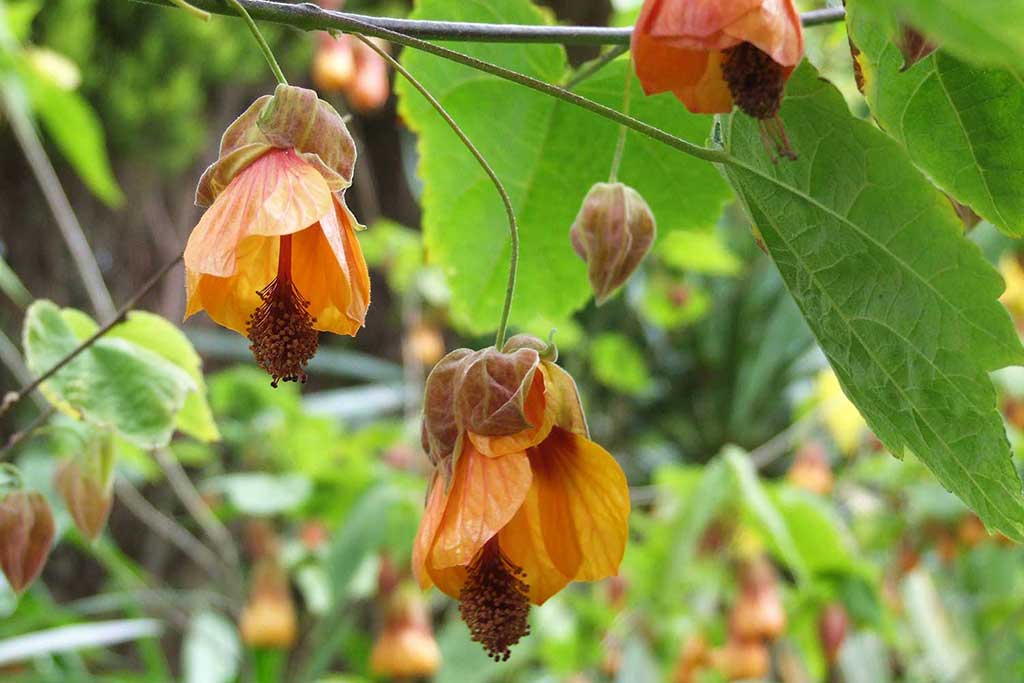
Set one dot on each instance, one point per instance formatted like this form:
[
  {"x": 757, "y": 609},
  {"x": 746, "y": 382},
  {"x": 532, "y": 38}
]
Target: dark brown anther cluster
[
  {"x": 757, "y": 83},
  {"x": 494, "y": 602},
  {"x": 281, "y": 332}
]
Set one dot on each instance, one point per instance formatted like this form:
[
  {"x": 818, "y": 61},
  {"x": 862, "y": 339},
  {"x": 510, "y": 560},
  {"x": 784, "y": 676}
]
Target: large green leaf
[
  {"x": 960, "y": 123},
  {"x": 548, "y": 154},
  {"x": 112, "y": 383},
  {"x": 980, "y": 31},
  {"x": 78, "y": 133},
  {"x": 903, "y": 305}
]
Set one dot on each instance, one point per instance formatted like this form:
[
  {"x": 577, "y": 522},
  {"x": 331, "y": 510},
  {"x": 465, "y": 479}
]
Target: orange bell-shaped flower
[
  {"x": 275, "y": 257},
  {"x": 521, "y": 501},
  {"x": 713, "y": 53}
]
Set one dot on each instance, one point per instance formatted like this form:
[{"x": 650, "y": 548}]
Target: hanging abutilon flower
[
  {"x": 714, "y": 53},
  {"x": 275, "y": 257},
  {"x": 521, "y": 501}
]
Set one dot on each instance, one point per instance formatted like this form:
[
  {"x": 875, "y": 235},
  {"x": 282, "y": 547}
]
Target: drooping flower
[
  {"x": 268, "y": 618},
  {"x": 275, "y": 257},
  {"x": 26, "y": 534},
  {"x": 405, "y": 648},
  {"x": 613, "y": 232},
  {"x": 521, "y": 501},
  {"x": 714, "y": 53}
]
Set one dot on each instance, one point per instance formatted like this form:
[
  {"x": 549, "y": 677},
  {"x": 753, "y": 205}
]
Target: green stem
[
  {"x": 192, "y": 9},
  {"x": 264, "y": 46},
  {"x": 594, "y": 65},
  {"x": 620, "y": 146},
  {"x": 513, "y": 226}
]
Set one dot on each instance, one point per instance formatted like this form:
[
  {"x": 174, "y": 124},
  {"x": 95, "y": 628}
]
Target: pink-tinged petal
[
  {"x": 693, "y": 19},
  {"x": 485, "y": 494},
  {"x": 230, "y": 300},
  {"x": 431, "y": 520},
  {"x": 278, "y": 194},
  {"x": 775, "y": 29},
  {"x": 329, "y": 271},
  {"x": 522, "y": 541},
  {"x": 662, "y": 67}
]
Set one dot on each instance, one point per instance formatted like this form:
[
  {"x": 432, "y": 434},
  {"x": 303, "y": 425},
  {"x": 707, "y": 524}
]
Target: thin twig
[
  {"x": 168, "y": 528},
  {"x": 12, "y": 398},
  {"x": 22, "y": 434},
  {"x": 620, "y": 145},
  {"x": 311, "y": 17},
  {"x": 513, "y": 227},
  {"x": 67, "y": 222},
  {"x": 193, "y": 501},
  {"x": 594, "y": 65}
]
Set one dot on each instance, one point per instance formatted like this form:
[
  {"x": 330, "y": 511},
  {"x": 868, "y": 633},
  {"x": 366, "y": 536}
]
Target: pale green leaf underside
[
  {"x": 902, "y": 304},
  {"x": 960, "y": 123},
  {"x": 548, "y": 154},
  {"x": 987, "y": 32},
  {"x": 113, "y": 383}
]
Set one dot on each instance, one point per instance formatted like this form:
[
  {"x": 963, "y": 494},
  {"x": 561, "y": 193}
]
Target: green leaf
[
  {"x": 960, "y": 123},
  {"x": 548, "y": 154},
  {"x": 78, "y": 133},
  {"x": 698, "y": 252},
  {"x": 903, "y": 305},
  {"x": 817, "y": 532},
  {"x": 619, "y": 364},
  {"x": 112, "y": 383},
  {"x": 985, "y": 32},
  {"x": 763, "y": 512},
  {"x": 263, "y": 495},
  {"x": 159, "y": 335}
]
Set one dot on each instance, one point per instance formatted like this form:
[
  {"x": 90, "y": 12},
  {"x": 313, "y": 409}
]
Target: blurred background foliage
[{"x": 772, "y": 537}]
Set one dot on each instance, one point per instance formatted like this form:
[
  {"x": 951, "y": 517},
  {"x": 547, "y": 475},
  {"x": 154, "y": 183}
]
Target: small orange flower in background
[
  {"x": 344, "y": 64},
  {"x": 714, "y": 53},
  {"x": 275, "y": 257},
  {"x": 405, "y": 648},
  {"x": 521, "y": 501}
]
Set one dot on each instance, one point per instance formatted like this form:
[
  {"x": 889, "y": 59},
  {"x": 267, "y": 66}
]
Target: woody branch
[{"x": 310, "y": 17}]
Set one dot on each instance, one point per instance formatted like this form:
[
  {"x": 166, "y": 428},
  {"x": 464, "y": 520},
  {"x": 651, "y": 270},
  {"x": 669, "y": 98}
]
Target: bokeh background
[{"x": 772, "y": 537}]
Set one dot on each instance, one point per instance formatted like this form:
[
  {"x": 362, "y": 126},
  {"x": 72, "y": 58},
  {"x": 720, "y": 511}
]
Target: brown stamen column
[{"x": 494, "y": 602}]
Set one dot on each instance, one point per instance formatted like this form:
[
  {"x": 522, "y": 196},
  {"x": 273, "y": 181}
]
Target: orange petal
[
  {"x": 662, "y": 67},
  {"x": 774, "y": 28},
  {"x": 485, "y": 494},
  {"x": 710, "y": 95},
  {"x": 432, "y": 513},
  {"x": 230, "y": 300},
  {"x": 278, "y": 194},
  {"x": 536, "y": 414},
  {"x": 584, "y": 505},
  {"x": 329, "y": 270},
  {"x": 692, "y": 19},
  {"x": 449, "y": 580},
  {"x": 522, "y": 541}
]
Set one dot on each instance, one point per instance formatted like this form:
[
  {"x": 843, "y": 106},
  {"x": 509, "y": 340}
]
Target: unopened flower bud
[
  {"x": 86, "y": 483},
  {"x": 832, "y": 627},
  {"x": 268, "y": 619},
  {"x": 613, "y": 232},
  {"x": 334, "y": 64},
  {"x": 26, "y": 534},
  {"x": 405, "y": 648}
]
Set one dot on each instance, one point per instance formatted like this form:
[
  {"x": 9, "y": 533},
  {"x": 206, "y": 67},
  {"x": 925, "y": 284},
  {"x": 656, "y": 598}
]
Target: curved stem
[
  {"x": 620, "y": 146},
  {"x": 193, "y": 10},
  {"x": 513, "y": 226},
  {"x": 264, "y": 46}
]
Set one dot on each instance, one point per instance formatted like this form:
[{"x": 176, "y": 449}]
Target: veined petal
[
  {"x": 449, "y": 580},
  {"x": 584, "y": 506},
  {"x": 436, "y": 499},
  {"x": 329, "y": 270},
  {"x": 230, "y": 300},
  {"x": 522, "y": 541},
  {"x": 662, "y": 67},
  {"x": 278, "y": 194},
  {"x": 484, "y": 495},
  {"x": 774, "y": 28},
  {"x": 535, "y": 408},
  {"x": 668, "y": 19}
]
